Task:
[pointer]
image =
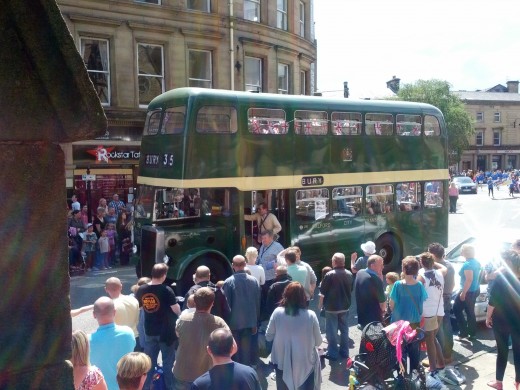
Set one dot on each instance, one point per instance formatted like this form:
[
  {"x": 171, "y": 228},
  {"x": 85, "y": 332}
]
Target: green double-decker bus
[{"x": 335, "y": 172}]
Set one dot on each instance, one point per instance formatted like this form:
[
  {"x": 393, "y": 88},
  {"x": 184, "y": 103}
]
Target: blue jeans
[
  {"x": 152, "y": 347},
  {"x": 469, "y": 327},
  {"x": 244, "y": 339},
  {"x": 445, "y": 333},
  {"x": 335, "y": 322}
]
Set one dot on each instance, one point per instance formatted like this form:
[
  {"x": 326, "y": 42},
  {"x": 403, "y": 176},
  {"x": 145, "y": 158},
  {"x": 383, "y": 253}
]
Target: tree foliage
[{"x": 458, "y": 121}]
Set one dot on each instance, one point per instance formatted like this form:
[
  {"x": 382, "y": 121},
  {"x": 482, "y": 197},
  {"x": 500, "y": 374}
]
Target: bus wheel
[
  {"x": 390, "y": 251},
  {"x": 217, "y": 268}
]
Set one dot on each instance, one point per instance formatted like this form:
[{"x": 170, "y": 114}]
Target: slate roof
[{"x": 488, "y": 96}]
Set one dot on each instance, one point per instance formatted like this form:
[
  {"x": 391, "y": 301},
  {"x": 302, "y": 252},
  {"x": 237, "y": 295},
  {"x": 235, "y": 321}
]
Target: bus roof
[{"x": 165, "y": 100}]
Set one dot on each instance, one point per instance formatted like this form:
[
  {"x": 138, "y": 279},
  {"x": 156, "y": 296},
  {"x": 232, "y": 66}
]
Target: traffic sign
[{"x": 86, "y": 177}]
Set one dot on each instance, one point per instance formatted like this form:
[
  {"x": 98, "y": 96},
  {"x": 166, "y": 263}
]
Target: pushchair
[{"x": 382, "y": 360}]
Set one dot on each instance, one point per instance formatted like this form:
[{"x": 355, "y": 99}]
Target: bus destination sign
[
  {"x": 312, "y": 181},
  {"x": 152, "y": 160}
]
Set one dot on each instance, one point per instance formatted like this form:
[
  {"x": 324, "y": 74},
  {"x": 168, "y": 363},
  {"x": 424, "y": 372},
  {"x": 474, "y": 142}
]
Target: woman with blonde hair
[
  {"x": 256, "y": 270},
  {"x": 86, "y": 377},
  {"x": 132, "y": 370}
]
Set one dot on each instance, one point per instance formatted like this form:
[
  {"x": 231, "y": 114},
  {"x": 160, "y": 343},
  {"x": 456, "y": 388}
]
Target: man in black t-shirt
[
  {"x": 370, "y": 292},
  {"x": 225, "y": 374},
  {"x": 160, "y": 313}
]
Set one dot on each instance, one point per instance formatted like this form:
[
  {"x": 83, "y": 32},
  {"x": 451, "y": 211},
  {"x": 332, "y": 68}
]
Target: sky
[{"x": 471, "y": 44}]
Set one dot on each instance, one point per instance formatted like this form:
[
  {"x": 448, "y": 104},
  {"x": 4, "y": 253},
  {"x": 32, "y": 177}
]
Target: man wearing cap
[{"x": 357, "y": 264}]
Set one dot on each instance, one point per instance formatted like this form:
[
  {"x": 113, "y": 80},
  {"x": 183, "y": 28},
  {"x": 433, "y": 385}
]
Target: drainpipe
[{"x": 231, "y": 45}]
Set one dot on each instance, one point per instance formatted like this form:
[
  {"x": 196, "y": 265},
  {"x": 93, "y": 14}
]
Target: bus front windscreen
[{"x": 160, "y": 204}]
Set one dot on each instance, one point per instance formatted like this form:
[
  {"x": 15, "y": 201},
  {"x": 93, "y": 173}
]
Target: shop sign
[{"x": 108, "y": 154}]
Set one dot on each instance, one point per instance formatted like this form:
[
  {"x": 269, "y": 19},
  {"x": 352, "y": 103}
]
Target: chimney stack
[{"x": 512, "y": 86}]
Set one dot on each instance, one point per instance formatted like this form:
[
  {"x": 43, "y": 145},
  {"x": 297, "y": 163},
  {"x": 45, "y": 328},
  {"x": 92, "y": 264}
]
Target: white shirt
[
  {"x": 258, "y": 272},
  {"x": 434, "y": 285},
  {"x": 127, "y": 311}
]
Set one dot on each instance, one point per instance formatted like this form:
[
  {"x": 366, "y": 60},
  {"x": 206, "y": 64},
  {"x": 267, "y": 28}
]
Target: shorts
[{"x": 430, "y": 323}]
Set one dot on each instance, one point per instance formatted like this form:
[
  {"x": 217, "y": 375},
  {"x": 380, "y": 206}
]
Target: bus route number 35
[{"x": 167, "y": 159}]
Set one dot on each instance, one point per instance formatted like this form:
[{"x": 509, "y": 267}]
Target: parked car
[
  {"x": 488, "y": 249},
  {"x": 465, "y": 185}
]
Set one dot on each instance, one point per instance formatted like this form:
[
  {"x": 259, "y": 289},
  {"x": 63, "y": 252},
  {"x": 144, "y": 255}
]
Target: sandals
[{"x": 495, "y": 384}]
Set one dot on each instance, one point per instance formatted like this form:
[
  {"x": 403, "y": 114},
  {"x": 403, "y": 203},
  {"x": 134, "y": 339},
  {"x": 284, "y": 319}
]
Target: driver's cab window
[
  {"x": 312, "y": 204},
  {"x": 215, "y": 202},
  {"x": 175, "y": 203},
  {"x": 144, "y": 202},
  {"x": 347, "y": 201},
  {"x": 379, "y": 199}
]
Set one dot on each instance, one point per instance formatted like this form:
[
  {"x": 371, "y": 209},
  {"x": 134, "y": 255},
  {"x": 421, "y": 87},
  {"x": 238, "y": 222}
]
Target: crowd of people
[
  {"x": 101, "y": 241},
  {"x": 209, "y": 339}
]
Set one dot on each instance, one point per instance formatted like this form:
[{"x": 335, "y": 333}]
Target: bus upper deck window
[
  {"x": 408, "y": 125},
  {"x": 152, "y": 123},
  {"x": 310, "y": 122},
  {"x": 379, "y": 124},
  {"x": 431, "y": 126},
  {"x": 173, "y": 122},
  {"x": 217, "y": 119},
  {"x": 346, "y": 123},
  {"x": 266, "y": 121}
]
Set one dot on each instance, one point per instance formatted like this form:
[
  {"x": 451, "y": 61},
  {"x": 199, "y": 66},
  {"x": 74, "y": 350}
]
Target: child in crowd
[
  {"x": 391, "y": 278},
  {"x": 89, "y": 246},
  {"x": 190, "y": 306},
  {"x": 104, "y": 249},
  {"x": 111, "y": 234}
]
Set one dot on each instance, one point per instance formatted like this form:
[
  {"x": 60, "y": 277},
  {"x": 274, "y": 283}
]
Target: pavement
[{"x": 479, "y": 369}]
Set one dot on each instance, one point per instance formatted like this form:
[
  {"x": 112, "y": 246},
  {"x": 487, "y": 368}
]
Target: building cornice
[
  {"x": 93, "y": 20},
  {"x": 150, "y": 27}
]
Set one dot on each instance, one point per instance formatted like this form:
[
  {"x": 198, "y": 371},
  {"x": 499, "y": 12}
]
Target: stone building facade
[
  {"x": 496, "y": 142},
  {"x": 136, "y": 49}
]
